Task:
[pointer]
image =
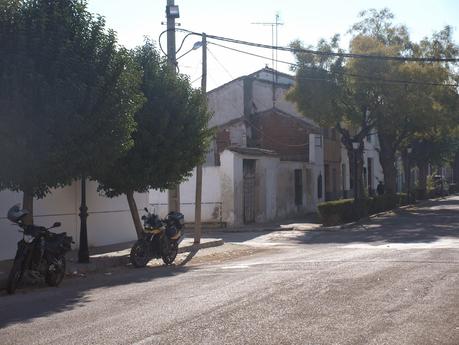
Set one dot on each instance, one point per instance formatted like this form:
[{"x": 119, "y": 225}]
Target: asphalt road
[{"x": 392, "y": 281}]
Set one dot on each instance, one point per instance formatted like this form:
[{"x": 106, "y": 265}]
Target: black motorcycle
[
  {"x": 161, "y": 238},
  {"x": 40, "y": 253}
]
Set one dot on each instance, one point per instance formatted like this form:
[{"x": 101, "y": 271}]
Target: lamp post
[
  {"x": 408, "y": 177},
  {"x": 83, "y": 251},
  {"x": 172, "y": 13},
  {"x": 355, "y": 147}
]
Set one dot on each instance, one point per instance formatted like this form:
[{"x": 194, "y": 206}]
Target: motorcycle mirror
[
  {"x": 146, "y": 209},
  {"x": 56, "y": 225}
]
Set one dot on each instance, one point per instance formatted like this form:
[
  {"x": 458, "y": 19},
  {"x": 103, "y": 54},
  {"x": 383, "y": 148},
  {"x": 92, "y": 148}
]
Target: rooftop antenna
[{"x": 274, "y": 42}]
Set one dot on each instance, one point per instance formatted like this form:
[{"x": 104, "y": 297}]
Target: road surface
[{"x": 392, "y": 281}]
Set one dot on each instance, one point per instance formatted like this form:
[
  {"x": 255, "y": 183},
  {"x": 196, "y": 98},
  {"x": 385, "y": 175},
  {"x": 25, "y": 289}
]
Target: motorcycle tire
[
  {"x": 14, "y": 278},
  {"x": 139, "y": 254},
  {"x": 55, "y": 275},
  {"x": 169, "y": 258}
]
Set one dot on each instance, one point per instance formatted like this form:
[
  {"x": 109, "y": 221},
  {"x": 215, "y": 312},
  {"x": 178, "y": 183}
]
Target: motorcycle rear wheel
[
  {"x": 14, "y": 277},
  {"x": 139, "y": 254},
  {"x": 54, "y": 277},
  {"x": 169, "y": 258}
]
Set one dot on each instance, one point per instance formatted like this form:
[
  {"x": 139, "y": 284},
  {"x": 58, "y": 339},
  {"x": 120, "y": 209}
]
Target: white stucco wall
[
  {"x": 211, "y": 197},
  {"x": 109, "y": 220},
  {"x": 226, "y": 103}
]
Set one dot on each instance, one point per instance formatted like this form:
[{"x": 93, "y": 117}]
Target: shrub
[
  {"x": 337, "y": 212},
  {"x": 454, "y": 188},
  {"x": 344, "y": 211}
]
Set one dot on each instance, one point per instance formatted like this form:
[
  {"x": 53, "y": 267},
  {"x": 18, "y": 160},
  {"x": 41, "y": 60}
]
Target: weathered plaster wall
[{"x": 109, "y": 220}]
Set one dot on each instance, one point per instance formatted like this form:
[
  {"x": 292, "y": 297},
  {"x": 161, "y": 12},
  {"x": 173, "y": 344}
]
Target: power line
[
  {"x": 324, "y": 53},
  {"x": 371, "y": 78}
]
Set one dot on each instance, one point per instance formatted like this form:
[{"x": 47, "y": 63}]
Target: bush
[
  {"x": 343, "y": 211},
  {"x": 337, "y": 212},
  {"x": 453, "y": 188}
]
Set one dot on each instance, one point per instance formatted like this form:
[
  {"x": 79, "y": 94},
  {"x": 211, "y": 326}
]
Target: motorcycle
[
  {"x": 40, "y": 253},
  {"x": 161, "y": 238}
]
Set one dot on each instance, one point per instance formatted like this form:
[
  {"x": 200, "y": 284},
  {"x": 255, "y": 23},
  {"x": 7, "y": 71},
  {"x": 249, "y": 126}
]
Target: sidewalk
[{"x": 102, "y": 258}]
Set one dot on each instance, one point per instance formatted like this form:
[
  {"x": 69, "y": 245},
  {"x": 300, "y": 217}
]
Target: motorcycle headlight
[{"x": 28, "y": 238}]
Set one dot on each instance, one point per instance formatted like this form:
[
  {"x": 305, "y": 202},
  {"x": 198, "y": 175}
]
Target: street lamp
[
  {"x": 196, "y": 45},
  {"x": 355, "y": 146},
  {"x": 172, "y": 11}
]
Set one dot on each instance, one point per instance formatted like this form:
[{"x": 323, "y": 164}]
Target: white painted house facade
[{"x": 266, "y": 160}]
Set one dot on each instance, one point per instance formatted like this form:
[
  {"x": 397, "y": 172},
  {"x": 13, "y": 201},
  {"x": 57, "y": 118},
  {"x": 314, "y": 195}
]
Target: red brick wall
[{"x": 282, "y": 134}]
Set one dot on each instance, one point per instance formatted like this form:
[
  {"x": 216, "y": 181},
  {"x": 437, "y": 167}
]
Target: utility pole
[
  {"x": 198, "y": 199},
  {"x": 172, "y": 12}
]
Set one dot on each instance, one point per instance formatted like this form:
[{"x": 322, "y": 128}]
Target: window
[
  {"x": 298, "y": 187},
  {"x": 318, "y": 140},
  {"x": 319, "y": 186}
]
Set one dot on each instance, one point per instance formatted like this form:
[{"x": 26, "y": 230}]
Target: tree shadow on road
[
  {"x": 74, "y": 292},
  {"x": 426, "y": 223}
]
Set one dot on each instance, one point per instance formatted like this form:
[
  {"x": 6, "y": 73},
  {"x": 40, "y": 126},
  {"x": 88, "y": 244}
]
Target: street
[{"x": 393, "y": 280}]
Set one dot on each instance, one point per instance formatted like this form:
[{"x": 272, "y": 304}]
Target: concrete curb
[
  {"x": 367, "y": 219},
  {"x": 102, "y": 262}
]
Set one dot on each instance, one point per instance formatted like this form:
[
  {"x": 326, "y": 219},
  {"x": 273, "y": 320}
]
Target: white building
[{"x": 266, "y": 160}]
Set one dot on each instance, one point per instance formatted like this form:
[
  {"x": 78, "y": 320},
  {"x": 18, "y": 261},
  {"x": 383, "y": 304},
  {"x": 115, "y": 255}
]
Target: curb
[
  {"x": 365, "y": 220},
  {"x": 101, "y": 262}
]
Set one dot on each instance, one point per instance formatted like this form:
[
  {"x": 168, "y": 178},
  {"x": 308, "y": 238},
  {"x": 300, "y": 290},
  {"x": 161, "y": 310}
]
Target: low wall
[{"x": 109, "y": 220}]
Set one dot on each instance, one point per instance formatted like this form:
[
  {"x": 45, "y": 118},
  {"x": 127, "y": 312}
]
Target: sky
[{"x": 307, "y": 21}]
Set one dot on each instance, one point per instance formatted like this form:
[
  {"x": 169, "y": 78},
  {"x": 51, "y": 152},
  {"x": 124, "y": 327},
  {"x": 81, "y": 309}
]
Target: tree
[
  {"x": 67, "y": 95},
  {"x": 406, "y": 108},
  {"x": 366, "y": 93},
  {"x": 326, "y": 92},
  {"x": 171, "y": 136}
]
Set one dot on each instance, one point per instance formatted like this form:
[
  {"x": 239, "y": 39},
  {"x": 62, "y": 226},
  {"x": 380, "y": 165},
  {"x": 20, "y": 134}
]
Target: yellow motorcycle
[{"x": 161, "y": 238}]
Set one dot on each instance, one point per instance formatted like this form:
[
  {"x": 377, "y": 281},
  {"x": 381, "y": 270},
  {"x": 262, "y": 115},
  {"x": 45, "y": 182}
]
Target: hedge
[{"x": 343, "y": 211}]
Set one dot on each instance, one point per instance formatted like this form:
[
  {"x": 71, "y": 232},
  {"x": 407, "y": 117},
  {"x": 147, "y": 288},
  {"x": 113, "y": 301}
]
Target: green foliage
[
  {"x": 331, "y": 90},
  {"x": 67, "y": 94},
  {"x": 171, "y": 137},
  {"x": 343, "y": 211},
  {"x": 337, "y": 212}
]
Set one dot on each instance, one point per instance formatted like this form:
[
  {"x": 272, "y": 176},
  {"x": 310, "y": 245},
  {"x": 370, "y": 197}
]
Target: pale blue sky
[{"x": 305, "y": 20}]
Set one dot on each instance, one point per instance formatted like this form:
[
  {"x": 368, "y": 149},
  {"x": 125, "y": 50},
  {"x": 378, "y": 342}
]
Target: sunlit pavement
[{"x": 392, "y": 281}]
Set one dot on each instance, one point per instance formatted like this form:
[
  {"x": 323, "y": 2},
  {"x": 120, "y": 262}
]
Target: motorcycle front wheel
[
  {"x": 56, "y": 271},
  {"x": 139, "y": 254},
  {"x": 14, "y": 277},
  {"x": 169, "y": 258}
]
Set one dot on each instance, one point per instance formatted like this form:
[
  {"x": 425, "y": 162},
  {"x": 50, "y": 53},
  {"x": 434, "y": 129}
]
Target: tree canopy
[
  {"x": 396, "y": 98},
  {"x": 68, "y": 94},
  {"x": 171, "y": 136}
]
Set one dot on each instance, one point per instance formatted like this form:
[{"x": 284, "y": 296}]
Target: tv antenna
[
  {"x": 274, "y": 38},
  {"x": 274, "y": 43}
]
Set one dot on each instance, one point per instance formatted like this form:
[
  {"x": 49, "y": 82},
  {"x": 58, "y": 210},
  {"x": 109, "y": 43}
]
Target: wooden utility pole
[
  {"x": 198, "y": 199},
  {"x": 174, "y": 193}
]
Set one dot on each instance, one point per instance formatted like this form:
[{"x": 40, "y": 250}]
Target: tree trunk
[
  {"x": 358, "y": 186},
  {"x": 135, "y": 214},
  {"x": 456, "y": 168},
  {"x": 406, "y": 171},
  {"x": 27, "y": 203},
  {"x": 423, "y": 169},
  {"x": 387, "y": 160}
]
